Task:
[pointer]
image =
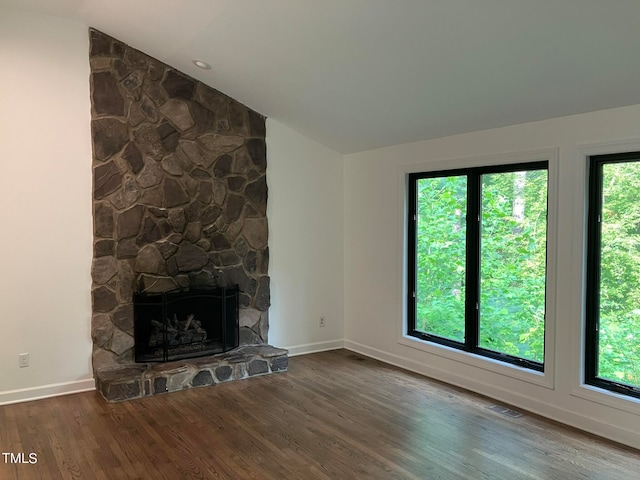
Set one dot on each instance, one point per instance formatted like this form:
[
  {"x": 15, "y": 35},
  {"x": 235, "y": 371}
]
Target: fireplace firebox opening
[{"x": 177, "y": 325}]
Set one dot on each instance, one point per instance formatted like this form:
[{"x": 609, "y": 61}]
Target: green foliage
[
  {"x": 513, "y": 252},
  {"x": 441, "y": 233},
  {"x": 619, "y": 342},
  {"x": 513, "y": 263}
]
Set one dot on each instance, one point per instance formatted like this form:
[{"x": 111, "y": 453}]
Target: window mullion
[
  {"x": 472, "y": 261},
  {"x": 593, "y": 267},
  {"x": 411, "y": 238}
]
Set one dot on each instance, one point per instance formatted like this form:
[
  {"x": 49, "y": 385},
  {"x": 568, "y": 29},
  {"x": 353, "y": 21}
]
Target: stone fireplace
[{"x": 179, "y": 204}]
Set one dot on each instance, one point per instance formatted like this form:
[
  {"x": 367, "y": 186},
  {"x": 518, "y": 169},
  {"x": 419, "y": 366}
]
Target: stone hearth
[{"x": 144, "y": 380}]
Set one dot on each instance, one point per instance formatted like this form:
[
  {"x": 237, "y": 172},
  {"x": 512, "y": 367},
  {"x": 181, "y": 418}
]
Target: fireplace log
[
  {"x": 178, "y": 332},
  {"x": 188, "y": 322}
]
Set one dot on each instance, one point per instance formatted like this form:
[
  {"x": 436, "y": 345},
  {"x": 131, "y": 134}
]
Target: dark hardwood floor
[{"x": 334, "y": 415}]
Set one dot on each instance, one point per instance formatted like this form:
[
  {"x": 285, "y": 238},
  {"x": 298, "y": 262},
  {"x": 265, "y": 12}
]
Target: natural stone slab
[
  {"x": 220, "y": 144},
  {"x": 237, "y": 276},
  {"x": 130, "y": 191},
  {"x": 132, "y": 83},
  {"x": 190, "y": 257},
  {"x": 233, "y": 208},
  {"x": 177, "y": 85},
  {"x": 173, "y": 194},
  {"x": 263, "y": 294},
  {"x": 258, "y": 152},
  {"x": 107, "y": 178},
  {"x": 160, "y": 385},
  {"x": 166, "y": 248},
  {"x": 256, "y": 231},
  {"x": 258, "y": 367},
  {"x": 219, "y": 191},
  {"x": 202, "y": 379},
  {"x": 257, "y": 124},
  {"x": 150, "y": 175},
  {"x": 236, "y": 183},
  {"x": 103, "y": 269},
  {"x": 105, "y": 95},
  {"x": 121, "y": 391},
  {"x": 223, "y": 166},
  {"x": 148, "y": 141},
  {"x": 256, "y": 191},
  {"x": 133, "y": 157},
  {"x": 104, "y": 299},
  {"x": 102, "y": 359},
  {"x": 248, "y": 336},
  {"x": 100, "y": 43},
  {"x": 177, "y": 111},
  {"x": 157, "y": 284},
  {"x": 120, "y": 342},
  {"x": 178, "y": 219},
  {"x": 264, "y": 325},
  {"x": 101, "y": 329},
  {"x": 126, "y": 248},
  {"x": 149, "y": 260},
  {"x": 152, "y": 197},
  {"x": 103, "y": 220},
  {"x": 196, "y": 155},
  {"x": 223, "y": 373},
  {"x": 103, "y": 248},
  {"x": 109, "y": 136},
  {"x": 248, "y": 317},
  {"x": 123, "y": 318},
  {"x": 238, "y": 118},
  {"x": 205, "y": 118},
  {"x": 171, "y": 165},
  {"x": 241, "y": 161},
  {"x": 279, "y": 364},
  {"x": 148, "y": 109},
  {"x": 169, "y": 136},
  {"x": 128, "y": 222},
  {"x": 263, "y": 350},
  {"x": 150, "y": 232}
]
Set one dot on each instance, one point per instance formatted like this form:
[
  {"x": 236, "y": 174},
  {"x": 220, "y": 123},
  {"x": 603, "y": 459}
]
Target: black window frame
[
  {"x": 472, "y": 260},
  {"x": 593, "y": 277}
]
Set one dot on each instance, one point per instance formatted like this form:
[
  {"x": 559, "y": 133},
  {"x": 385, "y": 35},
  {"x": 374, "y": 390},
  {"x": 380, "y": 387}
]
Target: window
[
  {"x": 612, "y": 343},
  {"x": 477, "y": 260}
]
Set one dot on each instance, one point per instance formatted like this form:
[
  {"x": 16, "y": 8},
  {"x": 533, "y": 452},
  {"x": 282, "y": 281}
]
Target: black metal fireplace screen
[{"x": 177, "y": 325}]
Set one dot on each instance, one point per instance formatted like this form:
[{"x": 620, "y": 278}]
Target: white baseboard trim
[
  {"x": 581, "y": 422},
  {"x": 46, "y": 391},
  {"x": 315, "y": 347}
]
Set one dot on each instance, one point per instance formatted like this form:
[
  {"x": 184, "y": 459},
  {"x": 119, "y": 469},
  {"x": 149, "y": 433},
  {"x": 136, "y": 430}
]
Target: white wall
[
  {"x": 374, "y": 274},
  {"x": 305, "y": 210},
  {"x": 45, "y": 207},
  {"x": 45, "y": 210}
]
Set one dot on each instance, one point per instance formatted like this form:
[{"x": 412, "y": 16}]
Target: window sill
[
  {"x": 485, "y": 363},
  {"x": 607, "y": 398}
]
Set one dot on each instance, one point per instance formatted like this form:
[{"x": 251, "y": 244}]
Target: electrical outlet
[
  {"x": 322, "y": 322},
  {"x": 23, "y": 360}
]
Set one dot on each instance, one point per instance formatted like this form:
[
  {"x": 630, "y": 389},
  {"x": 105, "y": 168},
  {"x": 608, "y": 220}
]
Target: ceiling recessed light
[{"x": 201, "y": 64}]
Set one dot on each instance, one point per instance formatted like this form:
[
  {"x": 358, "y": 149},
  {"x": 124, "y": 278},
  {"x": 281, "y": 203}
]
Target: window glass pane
[
  {"x": 513, "y": 235},
  {"x": 619, "y": 326},
  {"x": 440, "y": 256}
]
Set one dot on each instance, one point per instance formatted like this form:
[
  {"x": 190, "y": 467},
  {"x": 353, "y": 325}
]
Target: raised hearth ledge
[{"x": 147, "y": 379}]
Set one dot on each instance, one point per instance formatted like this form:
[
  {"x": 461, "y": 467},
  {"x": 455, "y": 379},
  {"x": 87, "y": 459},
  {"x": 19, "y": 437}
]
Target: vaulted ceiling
[{"x": 361, "y": 74}]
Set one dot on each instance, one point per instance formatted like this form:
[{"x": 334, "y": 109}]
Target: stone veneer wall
[{"x": 179, "y": 194}]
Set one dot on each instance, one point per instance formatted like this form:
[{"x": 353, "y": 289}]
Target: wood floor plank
[{"x": 333, "y": 415}]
